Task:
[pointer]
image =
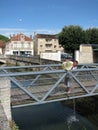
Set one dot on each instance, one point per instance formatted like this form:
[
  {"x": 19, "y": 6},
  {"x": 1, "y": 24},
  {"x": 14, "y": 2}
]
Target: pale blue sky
[{"x": 46, "y": 16}]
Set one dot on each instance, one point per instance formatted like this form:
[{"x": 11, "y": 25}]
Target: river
[{"x": 52, "y": 116}]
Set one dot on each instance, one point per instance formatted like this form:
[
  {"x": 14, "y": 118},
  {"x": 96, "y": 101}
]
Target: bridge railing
[{"x": 39, "y": 84}]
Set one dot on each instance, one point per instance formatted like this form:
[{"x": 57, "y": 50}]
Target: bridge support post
[
  {"x": 85, "y": 54},
  {"x": 5, "y": 96}
]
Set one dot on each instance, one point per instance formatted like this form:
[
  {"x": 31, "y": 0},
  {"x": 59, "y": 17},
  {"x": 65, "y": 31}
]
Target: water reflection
[{"x": 52, "y": 116}]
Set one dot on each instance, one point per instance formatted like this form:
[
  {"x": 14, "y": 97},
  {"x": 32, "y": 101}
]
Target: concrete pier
[
  {"x": 5, "y": 96},
  {"x": 4, "y": 123}
]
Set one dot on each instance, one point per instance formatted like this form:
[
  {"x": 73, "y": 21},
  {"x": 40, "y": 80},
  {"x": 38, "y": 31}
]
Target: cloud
[
  {"x": 49, "y": 31},
  {"x": 10, "y": 31}
]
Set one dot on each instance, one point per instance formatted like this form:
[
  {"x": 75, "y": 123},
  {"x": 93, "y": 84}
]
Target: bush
[{"x": 13, "y": 125}]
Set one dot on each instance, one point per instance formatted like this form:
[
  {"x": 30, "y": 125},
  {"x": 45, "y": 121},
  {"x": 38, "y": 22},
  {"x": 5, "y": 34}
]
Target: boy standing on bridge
[{"x": 67, "y": 66}]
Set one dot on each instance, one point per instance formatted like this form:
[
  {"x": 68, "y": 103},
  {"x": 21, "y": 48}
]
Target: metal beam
[{"x": 21, "y": 87}]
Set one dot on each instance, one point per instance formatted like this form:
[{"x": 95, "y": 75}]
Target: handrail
[{"x": 45, "y": 72}]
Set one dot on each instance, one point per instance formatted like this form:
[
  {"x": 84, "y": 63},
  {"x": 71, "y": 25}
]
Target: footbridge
[{"x": 38, "y": 84}]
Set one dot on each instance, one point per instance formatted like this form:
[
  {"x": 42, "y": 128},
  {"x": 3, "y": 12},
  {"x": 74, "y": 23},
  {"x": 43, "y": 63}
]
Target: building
[
  {"x": 19, "y": 45},
  {"x": 2, "y": 47},
  {"x": 46, "y": 43}
]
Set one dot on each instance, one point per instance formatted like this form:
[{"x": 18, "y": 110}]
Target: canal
[{"x": 52, "y": 116}]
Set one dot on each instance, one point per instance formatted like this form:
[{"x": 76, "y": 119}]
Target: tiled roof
[
  {"x": 19, "y": 36},
  {"x": 46, "y": 36},
  {"x": 2, "y": 44}
]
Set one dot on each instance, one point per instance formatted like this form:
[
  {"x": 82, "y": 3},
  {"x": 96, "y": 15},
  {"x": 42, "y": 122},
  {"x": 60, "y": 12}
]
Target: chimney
[
  {"x": 10, "y": 36},
  {"x": 35, "y": 33},
  {"x": 31, "y": 37}
]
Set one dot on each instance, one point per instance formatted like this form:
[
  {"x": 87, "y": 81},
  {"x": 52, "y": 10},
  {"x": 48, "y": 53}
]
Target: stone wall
[
  {"x": 5, "y": 96},
  {"x": 55, "y": 56},
  {"x": 18, "y": 61},
  {"x": 85, "y": 54},
  {"x": 4, "y": 123}
]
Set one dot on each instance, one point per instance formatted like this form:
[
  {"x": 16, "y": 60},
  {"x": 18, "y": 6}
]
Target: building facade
[
  {"x": 2, "y": 48},
  {"x": 46, "y": 43},
  {"x": 19, "y": 45}
]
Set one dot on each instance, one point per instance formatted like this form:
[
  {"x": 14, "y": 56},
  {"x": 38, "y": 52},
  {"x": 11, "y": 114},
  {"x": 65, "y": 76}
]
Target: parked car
[
  {"x": 27, "y": 55},
  {"x": 65, "y": 56}
]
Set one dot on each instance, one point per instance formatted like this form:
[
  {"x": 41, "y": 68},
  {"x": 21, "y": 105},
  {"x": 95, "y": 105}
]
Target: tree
[
  {"x": 71, "y": 37},
  {"x": 92, "y": 35},
  {"x": 4, "y": 38}
]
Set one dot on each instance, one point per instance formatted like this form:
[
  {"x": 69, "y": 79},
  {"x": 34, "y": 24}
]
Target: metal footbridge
[{"x": 38, "y": 84}]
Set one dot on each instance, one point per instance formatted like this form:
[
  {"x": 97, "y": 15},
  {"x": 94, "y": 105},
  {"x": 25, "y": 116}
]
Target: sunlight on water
[{"x": 71, "y": 119}]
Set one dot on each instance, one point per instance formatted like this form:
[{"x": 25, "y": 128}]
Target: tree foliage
[
  {"x": 4, "y": 38},
  {"x": 71, "y": 37},
  {"x": 92, "y": 35}
]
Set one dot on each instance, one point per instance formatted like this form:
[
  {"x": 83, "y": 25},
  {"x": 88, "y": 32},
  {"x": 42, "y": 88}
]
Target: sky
[{"x": 46, "y": 16}]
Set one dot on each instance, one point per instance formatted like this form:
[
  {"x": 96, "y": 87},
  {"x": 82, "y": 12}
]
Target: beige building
[
  {"x": 19, "y": 45},
  {"x": 46, "y": 43}
]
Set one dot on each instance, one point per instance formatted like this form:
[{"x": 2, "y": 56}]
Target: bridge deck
[{"x": 20, "y": 97}]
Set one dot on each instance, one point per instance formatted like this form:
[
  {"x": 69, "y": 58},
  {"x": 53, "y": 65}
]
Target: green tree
[
  {"x": 4, "y": 38},
  {"x": 92, "y": 35},
  {"x": 71, "y": 37}
]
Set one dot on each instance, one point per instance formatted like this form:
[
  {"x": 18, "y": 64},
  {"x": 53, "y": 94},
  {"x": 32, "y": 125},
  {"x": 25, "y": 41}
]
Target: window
[
  {"x": 41, "y": 46},
  {"x": 55, "y": 40},
  {"x": 22, "y": 45},
  {"x": 48, "y": 50},
  {"x": 22, "y": 37},
  {"x": 29, "y": 45},
  {"x": 48, "y": 45},
  {"x": 18, "y": 45},
  {"x": 54, "y": 46},
  {"x": 15, "y": 45},
  {"x": 48, "y": 39}
]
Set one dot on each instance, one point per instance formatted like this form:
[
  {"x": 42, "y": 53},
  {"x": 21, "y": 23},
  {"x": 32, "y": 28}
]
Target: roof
[
  {"x": 46, "y": 36},
  {"x": 19, "y": 36}
]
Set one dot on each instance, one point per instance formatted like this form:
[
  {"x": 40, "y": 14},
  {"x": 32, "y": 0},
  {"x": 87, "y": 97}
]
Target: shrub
[{"x": 13, "y": 125}]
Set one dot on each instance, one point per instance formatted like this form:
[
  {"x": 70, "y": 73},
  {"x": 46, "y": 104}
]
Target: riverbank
[{"x": 87, "y": 107}]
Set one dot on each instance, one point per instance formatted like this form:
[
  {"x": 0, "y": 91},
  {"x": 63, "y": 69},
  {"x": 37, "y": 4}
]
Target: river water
[{"x": 52, "y": 116}]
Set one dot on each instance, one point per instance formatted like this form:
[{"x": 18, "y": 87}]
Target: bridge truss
[{"x": 38, "y": 84}]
